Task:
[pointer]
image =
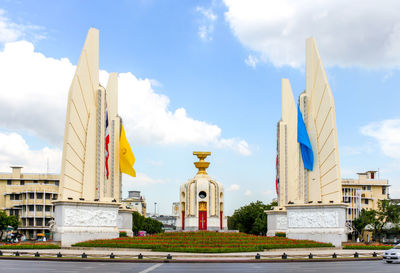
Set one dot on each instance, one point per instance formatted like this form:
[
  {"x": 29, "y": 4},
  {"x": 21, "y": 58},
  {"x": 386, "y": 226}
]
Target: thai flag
[
  {"x": 277, "y": 175},
  {"x": 107, "y": 142}
]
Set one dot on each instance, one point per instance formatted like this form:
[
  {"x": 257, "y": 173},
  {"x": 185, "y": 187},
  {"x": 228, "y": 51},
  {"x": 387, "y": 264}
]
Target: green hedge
[
  {"x": 280, "y": 234},
  {"x": 23, "y": 246},
  {"x": 371, "y": 247}
]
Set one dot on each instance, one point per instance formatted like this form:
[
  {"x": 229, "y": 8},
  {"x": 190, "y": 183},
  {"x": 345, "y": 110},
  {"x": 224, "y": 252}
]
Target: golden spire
[{"x": 201, "y": 164}]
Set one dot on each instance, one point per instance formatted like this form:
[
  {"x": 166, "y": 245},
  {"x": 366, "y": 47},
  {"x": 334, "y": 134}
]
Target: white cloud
[
  {"x": 206, "y": 27},
  {"x": 10, "y": 31},
  {"x": 34, "y": 97},
  {"x": 387, "y": 133},
  {"x": 14, "y": 151},
  {"x": 233, "y": 187},
  {"x": 348, "y": 33},
  {"x": 252, "y": 61},
  {"x": 248, "y": 193}
]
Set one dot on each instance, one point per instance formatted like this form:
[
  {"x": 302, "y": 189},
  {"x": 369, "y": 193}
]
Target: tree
[
  {"x": 251, "y": 219},
  {"x": 137, "y": 222},
  {"x": 389, "y": 212},
  {"x": 6, "y": 221},
  {"x": 366, "y": 217},
  {"x": 151, "y": 226}
]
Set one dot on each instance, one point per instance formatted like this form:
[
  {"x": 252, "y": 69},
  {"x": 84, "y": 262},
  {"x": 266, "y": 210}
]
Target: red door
[
  {"x": 183, "y": 220},
  {"x": 220, "y": 218},
  {"x": 202, "y": 220}
]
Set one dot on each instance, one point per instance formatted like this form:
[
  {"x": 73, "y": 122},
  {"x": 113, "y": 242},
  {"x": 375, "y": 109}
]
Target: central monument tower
[{"x": 201, "y": 200}]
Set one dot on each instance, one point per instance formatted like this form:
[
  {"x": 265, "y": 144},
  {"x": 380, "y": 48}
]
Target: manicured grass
[
  {"x": 203, "y": 242},
  {"x": 371, "y": 247},
  {"x": 30, "y": 246}
]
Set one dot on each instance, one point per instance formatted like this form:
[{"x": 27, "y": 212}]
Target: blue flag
[{"x": 305, "y": 145}]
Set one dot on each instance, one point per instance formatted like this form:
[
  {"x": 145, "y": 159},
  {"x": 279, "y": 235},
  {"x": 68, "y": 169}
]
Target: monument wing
[
  {"x": 79, "y": 152},
  {"x": 322, "y": 111}
]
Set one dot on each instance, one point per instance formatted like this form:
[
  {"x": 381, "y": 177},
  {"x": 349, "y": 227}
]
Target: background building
[
  {"x": 29, "y": 196},
  {"x": 363, "y": 193},
  {"x": 135, "y": 201}
]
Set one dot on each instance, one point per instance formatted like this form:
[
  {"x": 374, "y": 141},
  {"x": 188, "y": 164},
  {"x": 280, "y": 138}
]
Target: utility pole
[{"x": 155, "y": 208}]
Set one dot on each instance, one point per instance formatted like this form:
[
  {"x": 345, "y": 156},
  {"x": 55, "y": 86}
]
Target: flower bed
[
  {"x": 29, "y": 246},
  {"x": 371, "y": 247},
  {"x": 203, "y": 242}
]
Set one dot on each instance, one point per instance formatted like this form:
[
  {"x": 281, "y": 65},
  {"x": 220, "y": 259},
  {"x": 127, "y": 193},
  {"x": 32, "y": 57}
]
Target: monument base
[
  {"x": 125, "y": 221},
  {"x": 318, "y": 222},
  {"x": 77, "y": 221},
  {"x": 277, "y": 221},
  {"x": 192, "y": 224}
]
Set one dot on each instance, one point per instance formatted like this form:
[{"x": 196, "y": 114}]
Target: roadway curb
[{"x": 188, "y": 260}]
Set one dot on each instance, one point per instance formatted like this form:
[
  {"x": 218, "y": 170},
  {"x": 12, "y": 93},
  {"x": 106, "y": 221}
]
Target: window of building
[
  {"x": 31, "y": 195},
  {"x": 46, "y": 182},
  {"x": 17, "y": 196},
  {"x": 364, "y": 188},
  {"x": 368, "y": 188},
  {"x": 39, "y": 195},
  {"x": 30, "y": 221},
  {"x": 22, "y": 182},
  {"x": 39, "y": 221},
  {"x": 349, "y": 211},
  {"x": 48, "y": 208},
  {"x": 31, "y": 208},
  {"x": 366, "y": 201},
  {"x": 372, "y": 175},
  {"x": 47, "y": 195},
  {"x": 39, "y": 207},
  {"x": 55, "y": 197},
  {"x": 12, "y": 196},
  {"x": 57, "y": 183},
  {"x": 9, "y": 182},
  {"x": 35, "y": 181},
  {"x": 383, "y": 190}
]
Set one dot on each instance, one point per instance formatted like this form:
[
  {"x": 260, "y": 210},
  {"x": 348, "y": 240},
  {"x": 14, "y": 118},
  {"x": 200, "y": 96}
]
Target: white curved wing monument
[
  {"x": 90, "y": 180},
  {"x": 308, "y": 171}
]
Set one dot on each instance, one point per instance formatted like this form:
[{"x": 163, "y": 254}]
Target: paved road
[{"x": 101, "y": 267}]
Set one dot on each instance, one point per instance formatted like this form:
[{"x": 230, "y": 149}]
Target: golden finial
[{"x": 201, "y": 164}]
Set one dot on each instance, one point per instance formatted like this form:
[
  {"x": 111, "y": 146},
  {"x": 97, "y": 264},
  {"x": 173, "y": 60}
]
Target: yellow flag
[{"x": 126, "y": 157}]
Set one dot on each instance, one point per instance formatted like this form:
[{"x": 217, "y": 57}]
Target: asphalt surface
[{"x": 16, "y": 266}]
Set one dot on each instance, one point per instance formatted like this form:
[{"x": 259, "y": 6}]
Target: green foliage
[
  {"x": 122, "y": 234},
  {"x": 6, "y": 221},
  {"x": 137, "y": 221},
  {"x": 365, "y": 218},
  {"x": 30, "y": 246},
  {"x": 388, "y": 212},
  {"x": 251, "y": 219},
  {"x": 151, "y": 226},
  {"x": 280, "y": 234}
]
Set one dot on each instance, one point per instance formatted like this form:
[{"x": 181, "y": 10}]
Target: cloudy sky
[{"x": 202, "y": 75}]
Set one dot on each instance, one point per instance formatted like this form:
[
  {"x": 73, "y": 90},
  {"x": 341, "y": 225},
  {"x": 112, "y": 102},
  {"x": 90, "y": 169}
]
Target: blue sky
[{"x": 202, "y": 75}]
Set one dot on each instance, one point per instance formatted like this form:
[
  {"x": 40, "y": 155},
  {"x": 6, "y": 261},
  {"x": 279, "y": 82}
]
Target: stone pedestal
[
  {"x": 77, "y": 221},
  {"x": 125, "y": 221},
  {"x": 277, "y": 221},
  {"x": 319, "y": 222}
]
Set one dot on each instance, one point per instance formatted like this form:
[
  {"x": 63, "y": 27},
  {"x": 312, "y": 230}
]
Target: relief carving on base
[
  {"x": 313, "y": 219},
  {"x": 87, "y": 216}
]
